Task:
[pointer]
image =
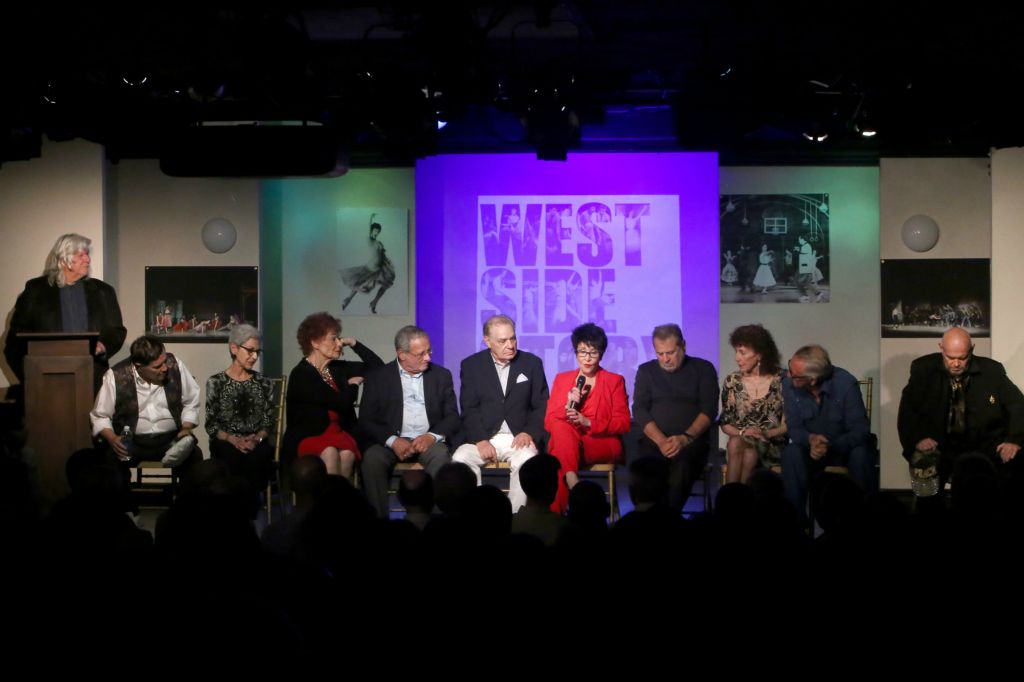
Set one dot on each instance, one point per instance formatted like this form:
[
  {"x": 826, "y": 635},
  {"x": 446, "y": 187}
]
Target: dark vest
[{"x": 126, "y": 398}]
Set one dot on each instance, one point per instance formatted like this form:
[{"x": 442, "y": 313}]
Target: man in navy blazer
[
  {"x": 408, "y": 413},
  {"x": 504, "y": 395}
]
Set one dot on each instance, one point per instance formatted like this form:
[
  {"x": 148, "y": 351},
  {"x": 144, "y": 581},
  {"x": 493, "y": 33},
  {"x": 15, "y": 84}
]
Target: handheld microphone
[{"x": 581, "y": 383}]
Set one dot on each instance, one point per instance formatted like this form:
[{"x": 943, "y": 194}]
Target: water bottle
[
  {"x": 126, "y": 438},
  {"x": 924, "y": 473}
]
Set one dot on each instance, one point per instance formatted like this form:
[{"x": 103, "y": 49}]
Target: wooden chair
[
  {"x": 152, "y": 478},
  {"x": 607, "y": 470},
  {"x": 157, "y": 482},
  {"x": 278, "y": 396},
  {"x": 867, "y": 388}
]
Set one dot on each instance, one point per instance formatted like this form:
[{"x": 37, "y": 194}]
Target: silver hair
[
  {"x": 63, "y": 251},
  {"x": 405, "y": 335},
  {"x": 498, "y": 319},
  {"x": 817, "y": 364},
  {"x": 242, "y": 333}
]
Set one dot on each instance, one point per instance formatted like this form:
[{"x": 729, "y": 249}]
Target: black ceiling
[{"x": 745, "y": 79}]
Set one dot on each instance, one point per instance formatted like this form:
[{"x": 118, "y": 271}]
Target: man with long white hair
[{"x": 66, "y": 299}]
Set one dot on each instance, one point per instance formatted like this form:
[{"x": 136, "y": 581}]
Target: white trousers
[{"x": 502, "y": 442}]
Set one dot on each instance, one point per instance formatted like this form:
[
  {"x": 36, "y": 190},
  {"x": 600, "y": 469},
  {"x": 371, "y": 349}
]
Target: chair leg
[
  {"x": 707, "y": 491},
  {"x": 613, "y": 494}
]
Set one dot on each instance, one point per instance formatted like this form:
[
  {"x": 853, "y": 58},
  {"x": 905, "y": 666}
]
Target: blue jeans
[{"x": 798, "y": 468}]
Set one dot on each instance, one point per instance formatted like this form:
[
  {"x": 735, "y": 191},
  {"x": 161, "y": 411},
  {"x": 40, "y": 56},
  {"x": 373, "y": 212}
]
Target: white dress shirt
[
  {"x": 503, "y": 370},
  {"x": 154, "y": 412}
]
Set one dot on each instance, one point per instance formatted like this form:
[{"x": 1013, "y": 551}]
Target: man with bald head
[{"x": 957, "y": 403}]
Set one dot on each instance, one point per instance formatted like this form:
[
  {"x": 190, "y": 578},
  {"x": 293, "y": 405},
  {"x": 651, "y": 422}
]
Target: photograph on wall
[
  {"x": 925, "y": 297},
  {"x": 774, "y": 248},
  {"x": 190, "y": 303},
  {"x": 373, "y": 259}
]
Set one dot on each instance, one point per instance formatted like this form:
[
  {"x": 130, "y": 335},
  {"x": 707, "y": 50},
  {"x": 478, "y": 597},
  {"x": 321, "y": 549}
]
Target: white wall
[
  {"x": 847, "y": 326},
  {"x": 156, "y": 220},
  {"x": 40, "y": 200},
  {"x": 957, "y": 194},
  {"x": 1007, "y": 257},
  {"x": 310, "y": 280}
]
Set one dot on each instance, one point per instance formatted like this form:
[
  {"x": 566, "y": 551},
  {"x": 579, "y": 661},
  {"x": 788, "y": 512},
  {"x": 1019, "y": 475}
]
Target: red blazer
[{"x": 607, "y": 405}]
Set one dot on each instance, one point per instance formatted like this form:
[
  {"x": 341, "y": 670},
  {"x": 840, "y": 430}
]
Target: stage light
[{"x": 135, "y": 80}]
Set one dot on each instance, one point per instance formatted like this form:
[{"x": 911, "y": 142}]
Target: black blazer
[
  {"x": 309, "y": 397},
  {"x": 381, "y": 410},
  {"x": 994, "y": 414},
  {"x": 38, "y": 310},
  {"x": 484, "y": 406}
]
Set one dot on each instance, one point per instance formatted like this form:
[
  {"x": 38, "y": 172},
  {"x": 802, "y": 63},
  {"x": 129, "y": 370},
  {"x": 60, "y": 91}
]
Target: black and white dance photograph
[
  {"x": 373, "y": 259},
  {"x": 922, "y": 298},
  {"x": 774, "y": 248}
]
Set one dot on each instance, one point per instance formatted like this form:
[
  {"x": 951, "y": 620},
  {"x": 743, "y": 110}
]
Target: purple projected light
[{"x": 627, "y": 241}]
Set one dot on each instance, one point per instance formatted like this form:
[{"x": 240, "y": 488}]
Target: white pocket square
[{"x": 521, "y": 378}]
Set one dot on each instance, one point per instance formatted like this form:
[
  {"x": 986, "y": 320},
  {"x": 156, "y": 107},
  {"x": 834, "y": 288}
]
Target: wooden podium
[{"x": 58, "y": 398}]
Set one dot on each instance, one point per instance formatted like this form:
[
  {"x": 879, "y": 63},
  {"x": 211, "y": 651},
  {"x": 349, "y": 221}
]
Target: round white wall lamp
[
  {"x": 219, "y": 235},
  {"x": 920, "y": 233}
]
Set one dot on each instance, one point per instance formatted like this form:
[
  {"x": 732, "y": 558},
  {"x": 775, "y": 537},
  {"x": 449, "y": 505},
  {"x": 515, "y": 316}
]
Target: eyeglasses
[
  {"x": 252, "y": 351},
  {"x": 582, "y": 353},
  {"x": 420, "y": 355}
]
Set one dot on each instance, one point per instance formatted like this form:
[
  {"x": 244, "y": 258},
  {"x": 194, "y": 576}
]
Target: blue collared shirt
[
  {"x": 414, "y": 408},
  {"x": 840, "y": 416}
]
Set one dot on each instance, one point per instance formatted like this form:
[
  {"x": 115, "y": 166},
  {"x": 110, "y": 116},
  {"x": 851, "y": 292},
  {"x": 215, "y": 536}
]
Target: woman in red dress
[
  {"x": 322, "y": 391},
  {"x": 587, "y": 413}
]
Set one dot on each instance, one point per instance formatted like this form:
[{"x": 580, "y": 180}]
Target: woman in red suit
[{"x": 595, "y": 412}]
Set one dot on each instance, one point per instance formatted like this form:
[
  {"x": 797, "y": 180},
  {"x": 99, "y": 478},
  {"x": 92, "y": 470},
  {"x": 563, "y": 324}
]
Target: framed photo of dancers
[
  {"x": 200, "y": 304},
  {"x": 774, "y": 248},
  {"x": 924, "y": 297},
  {"x": 373, "y": 260}
]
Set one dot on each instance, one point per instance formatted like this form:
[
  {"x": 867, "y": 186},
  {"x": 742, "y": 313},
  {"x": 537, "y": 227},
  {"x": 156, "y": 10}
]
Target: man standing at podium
[{"x": 66, "y": 299}]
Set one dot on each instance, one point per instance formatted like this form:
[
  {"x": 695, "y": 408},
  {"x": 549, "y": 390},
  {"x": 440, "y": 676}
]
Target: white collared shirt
[
  {"x": 154, "y": 412},
  {"x": 503, "y": 372}
]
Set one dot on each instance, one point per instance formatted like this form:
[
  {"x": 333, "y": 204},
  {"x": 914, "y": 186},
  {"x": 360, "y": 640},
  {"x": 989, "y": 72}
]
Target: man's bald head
[{"x": 956, "y": 347}]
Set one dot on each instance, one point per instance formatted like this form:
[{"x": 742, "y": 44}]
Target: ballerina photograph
[{"x": 376, "y": 251}]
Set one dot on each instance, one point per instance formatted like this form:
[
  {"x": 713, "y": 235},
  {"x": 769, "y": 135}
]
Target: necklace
[
  {"x": 324, "y": 373},
  {"x": 756, "y": 385}
]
